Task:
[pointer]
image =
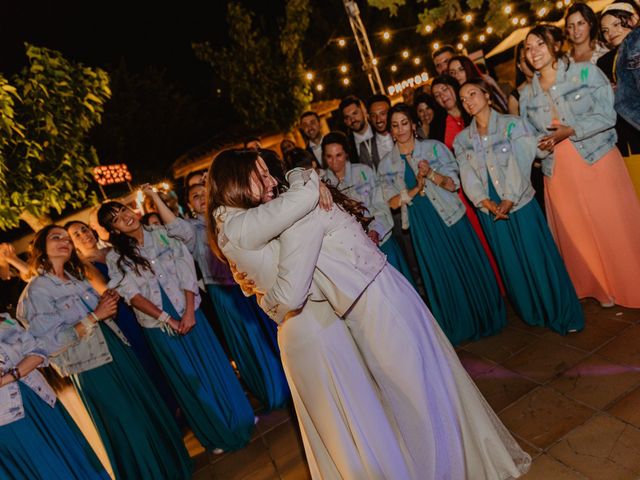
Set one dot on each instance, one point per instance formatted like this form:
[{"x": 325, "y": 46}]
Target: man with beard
[
  {"x": 310, "y": 126},
  {"x": 362, "y": 143},
  {"x": 377, "y": 106}
]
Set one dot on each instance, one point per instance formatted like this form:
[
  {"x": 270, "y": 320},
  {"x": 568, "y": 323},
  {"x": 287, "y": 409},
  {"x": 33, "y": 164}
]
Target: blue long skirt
[
  {"x": 46, "y": 445},
  {"x": 259, "y": 365},
  {"x": 128, "y": 324},
  {"x": 395, "y": 257},
  {"x": 204, "y": 383},
  {"x": 458, "y": 280},
  {"x": 139, "y": 434},
  {"x": 536, "y": 279}
]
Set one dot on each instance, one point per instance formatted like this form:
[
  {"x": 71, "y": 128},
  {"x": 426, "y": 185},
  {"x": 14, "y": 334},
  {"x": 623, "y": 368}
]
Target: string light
[
  {"x": 374, "y": 61},
  {"x": 309, "y": 75},
  {"x": 460, "y": 46},
  {"x": 405, "y": 54},
  {"x": 567, "y": 2},
  {"x": 342, "y": 42},
  {"x": 465, "y": 37},
  {"x": 428, "y": 28},
  {"x": 508, "y": 9},
  {"x": 489, "y": 30},
  {"x": 523, "y": 21},
  {"x": 559, "y": 5},
  {"x": 386, "y": 35},
  {"x": 542, "y": 12},
  {"x": 320, "y": 87},
  {"x": 394, "y": 68},
  {"x": 346, "y": 81},
  {"x": 344, "y": 68},
  {"x": 416, "y": 60},
  {"x": 482, "y": 37},
  {"x": 436, "y": 46},
  {"x": 515, "y": 20},
  {"x": 468, "y": 18}
]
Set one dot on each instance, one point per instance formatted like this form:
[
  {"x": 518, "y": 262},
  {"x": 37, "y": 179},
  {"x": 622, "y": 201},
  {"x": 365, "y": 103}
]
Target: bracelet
[
  {"x": 15, "y": 373},
  {"x": 431, "y": 175},
  {"x": 88, "y": 325},
  {"x": 94, "y": 316},
  {"x": 164, "y": 318},
  {"x": 405, "y": 198}
]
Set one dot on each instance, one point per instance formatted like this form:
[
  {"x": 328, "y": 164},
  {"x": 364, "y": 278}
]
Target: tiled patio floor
[{"x": 573, "y": 403}]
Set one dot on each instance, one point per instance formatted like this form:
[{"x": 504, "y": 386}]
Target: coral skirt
[{"x": 594, "y": 215}]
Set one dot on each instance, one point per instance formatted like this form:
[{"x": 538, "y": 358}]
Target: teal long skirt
[
  {"x": 46, "y": 445},
  {"x": 259, "y": 365},
  {"x": 139, "y": 433},
  {"x": 391, "y": 248},
  {"x": 204, "y": 383},
  {"x": 536, "y": 279},
  {"x": 460, "y": 285}
]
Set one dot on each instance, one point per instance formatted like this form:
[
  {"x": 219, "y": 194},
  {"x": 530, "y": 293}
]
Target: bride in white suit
[{"x": 446, "y": 426}]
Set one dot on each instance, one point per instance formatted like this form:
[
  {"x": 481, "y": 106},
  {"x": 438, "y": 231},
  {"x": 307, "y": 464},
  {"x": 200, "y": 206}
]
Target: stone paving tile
[
  {"x": 500, "y": 347},
  {"x": 252, "y": 459},
  {"x": 543, "y": 416},
  {"x": 604, "y": 447},
  {"x": 596, "y": 381},
  {"x": 501, "y": 387},
  {"x": 543, "y": 360},
  {"x": 625, "y": 348},
  {"x": 546, "y": 467},
  {"x": 627, "y": 408},
  {"x": 589, "y": 339}
]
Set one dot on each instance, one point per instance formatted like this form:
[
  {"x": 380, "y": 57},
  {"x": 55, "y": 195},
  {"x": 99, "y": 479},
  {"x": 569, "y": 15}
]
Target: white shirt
[
  {"x": 316, "y": 148},
  {"x": 364, "y": 138},
  {"x": 385, "y": 144}
]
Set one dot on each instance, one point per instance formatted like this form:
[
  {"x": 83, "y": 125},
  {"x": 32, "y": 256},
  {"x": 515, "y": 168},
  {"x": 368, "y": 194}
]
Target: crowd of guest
[{"x": 476, "y": 194}]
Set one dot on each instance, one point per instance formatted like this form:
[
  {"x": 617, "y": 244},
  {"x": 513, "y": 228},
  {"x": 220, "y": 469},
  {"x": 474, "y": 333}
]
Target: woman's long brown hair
[
  {"x": 39, "y": 260},
  {"x": 229, "y": 184}
]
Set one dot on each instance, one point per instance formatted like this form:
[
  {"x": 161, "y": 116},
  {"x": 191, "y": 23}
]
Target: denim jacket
[
  {"x": 391, "y": 172},
  {"x": 15, "y": 345},
  {"x": 173, "y": 270},
  {"x": 50, "y": 308},
  {"x": 628, "y": 79},
  {"x": 503, "y": 156},
  {"x": 361, "y": 183},
  {"x": 583, "y": 99},
  {"x": 193, "y": 232}
]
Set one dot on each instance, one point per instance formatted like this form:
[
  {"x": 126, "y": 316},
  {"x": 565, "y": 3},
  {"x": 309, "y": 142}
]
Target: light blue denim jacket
[
  {"x": 583, "y": 99},
  {"x": 50, "y": 308},
  {"x": 173, "y": 270},
  {"x": 503, "y": 156},
  {"x": 193, "y": 232},
  {"x": 391, "y": 173},
  {"x": 15, "y": 345},
  {"x": 361, "y": 183},
  {"x": 628, "y": 79}
]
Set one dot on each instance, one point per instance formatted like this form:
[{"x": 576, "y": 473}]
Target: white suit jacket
[{"x": 329, "y": 248}]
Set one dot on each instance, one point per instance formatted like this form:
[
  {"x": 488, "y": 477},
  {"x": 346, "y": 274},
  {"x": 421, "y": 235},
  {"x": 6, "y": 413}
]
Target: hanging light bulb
[
  {"x": 405, "y": 54},
  {"x": 342, "y": 42},
  {"x": 320, "y": 87},
  {"x": 508, "y": 9},
  {"x": 346, "y": 81},
  {"x": 515, "y": 20},
  {"x": 468, "y": 18},
  {"x": 523, "y": 21},
  {"x": 542, "y": 12},
  {"x": 482, "y": 37},
  {"x": 489, "y": 30},
  {"x": 374, "y": 61},
  {"x": 436, "y": 46},
  {"x": 394, "y": 68},
  {"x": 465, "y": 37},
  {"x": 559, "y": 5},
  {"x": 460, "y": 46},
  {"x": 416, "y": 60},
  {"x": 428, "y": 28},
  {"x": 309, "y": 75},
  {"x": 386, "y": 35},
  {"x": 344, "y": 68}
]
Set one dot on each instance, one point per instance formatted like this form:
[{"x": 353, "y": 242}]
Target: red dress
[{"x": 454, "y": 125}]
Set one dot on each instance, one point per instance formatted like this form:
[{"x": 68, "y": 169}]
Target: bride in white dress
[{"x": 448, "y": 429}]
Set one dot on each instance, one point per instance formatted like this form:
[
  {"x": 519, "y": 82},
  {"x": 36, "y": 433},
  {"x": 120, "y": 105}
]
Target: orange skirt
[{"x": 594, "y": 215}]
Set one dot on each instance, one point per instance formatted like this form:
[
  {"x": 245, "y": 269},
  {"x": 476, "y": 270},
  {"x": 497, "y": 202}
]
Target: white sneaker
[{"x": 218, "y": 451}]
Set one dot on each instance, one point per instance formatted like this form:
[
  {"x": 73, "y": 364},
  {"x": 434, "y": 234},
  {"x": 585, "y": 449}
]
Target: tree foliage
[
  {"x": 438, "y": 12},
  {"x": 46, "y": 113},
  {"x": 264, "y": 75}
]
